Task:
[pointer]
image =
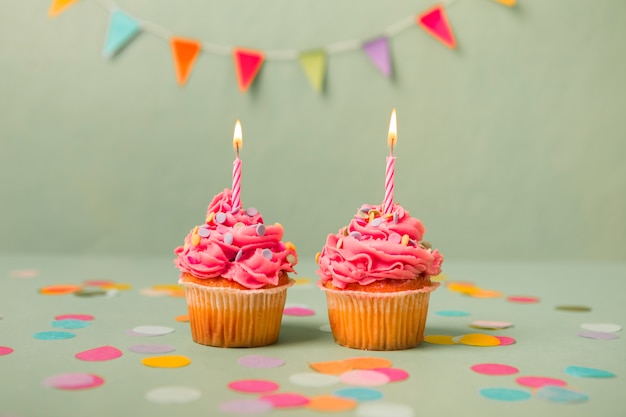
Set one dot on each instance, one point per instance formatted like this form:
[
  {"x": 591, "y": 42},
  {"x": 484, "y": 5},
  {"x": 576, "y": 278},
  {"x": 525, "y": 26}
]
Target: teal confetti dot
[
  {"x": 53, "y": 335},
  {"x": 452, "y": 313},
  {"x": 583, "y": 372},
  {"x": 70, "y": 324},
  {"x": 359, "y": 394},
  {"x": 561, "y": 395},
  {"x": 504, "y": 394}
]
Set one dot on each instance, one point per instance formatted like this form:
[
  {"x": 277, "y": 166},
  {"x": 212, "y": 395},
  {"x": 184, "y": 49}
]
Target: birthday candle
[
  {"x": 390, "y": 170},
  {"x": 237, "y": 144}
]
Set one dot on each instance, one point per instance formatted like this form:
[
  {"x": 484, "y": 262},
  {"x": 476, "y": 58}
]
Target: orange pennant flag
[
  {"x": 185, "y": 52},
  {"x": 509, "y": 3},
  {"x": 58, "y": 6},
  {"x": 247, "y": 65}
]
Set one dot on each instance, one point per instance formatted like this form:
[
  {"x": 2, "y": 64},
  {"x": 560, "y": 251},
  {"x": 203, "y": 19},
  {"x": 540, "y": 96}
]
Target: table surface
[{"x": 440, "y": 383}]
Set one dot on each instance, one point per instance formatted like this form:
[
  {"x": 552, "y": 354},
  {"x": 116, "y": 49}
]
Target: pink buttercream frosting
[
  {"x": 375, "y": 247},
  {"x": 235, "y": 244}
]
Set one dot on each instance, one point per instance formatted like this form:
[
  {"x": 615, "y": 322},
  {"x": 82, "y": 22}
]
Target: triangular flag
[
  {"x": 58, "y": 6},
  {"x": 509, "y": 3},
  {"x": 435, "y": 22},
  {"x": 185, "y": 52},
  {"x": 314, "y": 66},
  {"x": 247, "y": 65},
  {"x": 378, "y": 51},
  {"x": 122, "y": 28}
]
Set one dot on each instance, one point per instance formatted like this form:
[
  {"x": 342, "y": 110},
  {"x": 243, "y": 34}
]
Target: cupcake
[
  {"x": 234, "y": 269},
  {"x": 376, "y": 275}
]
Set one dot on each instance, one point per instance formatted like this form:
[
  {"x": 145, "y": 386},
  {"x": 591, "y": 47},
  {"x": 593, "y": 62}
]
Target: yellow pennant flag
[
  {"x": 314, "y": 65},
  {"x": 58, "y": 6}
]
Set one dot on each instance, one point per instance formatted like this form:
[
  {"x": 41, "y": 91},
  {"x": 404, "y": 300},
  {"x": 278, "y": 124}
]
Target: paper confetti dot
[
  {"x": 479, "y": 339},
  {"x": 84, "y": 317},
  {"x": 302, "y": 281},
  {"x": 24, "y": 273},
  {"x": 561, "y": 395},
  {"x": 574, "y": 308},
  {"x": 170, "y": 361},
  {"x": 52, "y": 335},
  {"x": 367, "y": 362},
  {"x": 504, "y": 394},
  {"x": 310, "y": 379},
  {"x": 584, "y": 372},
  {"x": 331, "y": 367},
  {"x": 394, "y": 374},
  {"x": 148, "y": 348},
  {"x": 601, "y": 327},
  {"x": 326, "y": 328},
  {"x": 253, "y": 386},
  {"x": 5, "y": 350},
  {"x": 487, "y": 324},
  {"x": 70, "y": 324},
  {"x": 331, "y": 403},
  {"x": 73, "y": 381},
  {"x": 285, "y": 400},
  {"x": 259, "y": 361},
  {"x": 523, "y": 299},
  {"x": 539, "y": 381},
  {"x": 173, "y": 395},
  {"x": 439, "y": 339},
  {"x": 494, "y": 369},
  {"x": 298, "y": 311},
  {"x": 149, "y": 330},
  {"x": 452, "y": 313},
  {"x": 505, "y": 340},
  {"x": 597, "y": 335},
  {"x": 384, "y": 409},
  {"x": 364, "y": 378},
  {"x": 183, "y": 318},
  {"x": 359, "y": 394},
  {"x": 60, "y": 289},
  {"x": 102, "y": 353},
  {"x": 246, "y": 407},
  {"x": 483, "y": 293}
]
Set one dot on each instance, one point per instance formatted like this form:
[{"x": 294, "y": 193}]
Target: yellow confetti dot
[
  {"x": 479, "y": 339},
  {"x": 116, "y": 286},
  {"x": 167, "y": 287},
  {"x": 439, "y": 339},
  {"x": 331, "y": 403},
  {"x": 302, "y": 281},
  {"x": 481, "y": 293},
  {"x": 171, "y": 361},
  {"x": 463, "y": 288}
]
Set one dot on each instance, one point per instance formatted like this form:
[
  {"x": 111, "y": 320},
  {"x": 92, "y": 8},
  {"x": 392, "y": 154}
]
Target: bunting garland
[{"x": 123, "y": 28}]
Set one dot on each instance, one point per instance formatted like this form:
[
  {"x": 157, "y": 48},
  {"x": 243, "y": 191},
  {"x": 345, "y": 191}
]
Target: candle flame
[
  {"x": 392, "y": 138},
  {"x": 237, "y": 137}
]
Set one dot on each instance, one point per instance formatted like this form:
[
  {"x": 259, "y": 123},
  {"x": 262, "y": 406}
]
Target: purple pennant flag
[{"x": 378, "y": 51}]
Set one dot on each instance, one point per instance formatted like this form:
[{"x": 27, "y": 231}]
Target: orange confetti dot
[
  {"x": 182, "y": 318},
  {"x": 171, "y": 361},
  {"x": 479, "y": 339},
  {"x": 331, "y": 403},
  {"x": 439, "y": 339},
  {"x": 60, "y": 289},
  {"x": 177, "y": 293},
  {"x": 331, "y": 367},
  {"x": 368, "y": 363},
  {"x": 481, "y": 293}
]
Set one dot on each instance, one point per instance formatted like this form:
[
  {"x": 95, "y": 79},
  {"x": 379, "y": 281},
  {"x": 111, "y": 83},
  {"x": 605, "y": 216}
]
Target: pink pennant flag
[
  {"x": 247, "y": 65},
  {"x": 435, "y": 22},
  {"x": 378, "y": 52}
]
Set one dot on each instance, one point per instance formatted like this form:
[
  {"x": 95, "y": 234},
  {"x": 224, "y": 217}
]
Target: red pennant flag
[
  {"x": 185, "y": 52},
  {"x": 247, "y": 65},
  {"x": 435, "y": 22}
]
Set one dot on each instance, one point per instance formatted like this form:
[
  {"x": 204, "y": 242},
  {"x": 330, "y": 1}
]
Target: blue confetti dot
[
  {"x": 504, "y": 394},
  {"x": 583, "y": 372},
  {"x": 359, "y": 394},
  {"x": 70, "y": 324},
  {"x": 561, "y": 395},
  {"x": 452, "y": 313},
  {"x": 53, "y": 335}
]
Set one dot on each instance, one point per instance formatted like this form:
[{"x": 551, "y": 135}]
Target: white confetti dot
[
  {"x": 173, "y": 395},
  {"x": 149, "y": 330},
  {"x": 384, "y": 409},
  {"x": 602, "y": 327}
]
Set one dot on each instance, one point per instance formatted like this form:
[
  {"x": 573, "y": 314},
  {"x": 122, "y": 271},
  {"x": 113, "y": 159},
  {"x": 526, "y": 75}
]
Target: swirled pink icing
[
  {"x": 235, "y": 244},
  {"x": 375, "y": 247}
]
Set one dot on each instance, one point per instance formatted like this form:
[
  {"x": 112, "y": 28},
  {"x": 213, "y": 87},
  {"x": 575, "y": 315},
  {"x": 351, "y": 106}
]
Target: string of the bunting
[{"x": 123, "y": 28}]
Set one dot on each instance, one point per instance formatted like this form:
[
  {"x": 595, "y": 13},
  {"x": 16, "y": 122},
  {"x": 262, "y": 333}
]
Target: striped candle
[
  {"x": 390, "y": 170},
  {"x": 237, "y": 143}
]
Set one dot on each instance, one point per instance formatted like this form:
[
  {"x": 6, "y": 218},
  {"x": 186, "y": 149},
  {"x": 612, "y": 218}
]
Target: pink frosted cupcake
[
  {"x": 235, "y": 272},
  {"x": 376, "y": 274}
]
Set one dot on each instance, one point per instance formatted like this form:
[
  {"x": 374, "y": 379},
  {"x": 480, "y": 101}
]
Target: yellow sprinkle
[
  {"x": 317, "y": 257},
  {"x": 405, "y": 240},
  {"x": 195, "y": 240},
  {"x": 116, "y": 286},
  {"x": 195, "y": 230},
  {"x": 279, "y": 225},
  {"x": 210, "y": 217},
  {"x": 339, "y": 243},
  {"x": 371, "y": 215},
  {"x": 290, "y": 246}
]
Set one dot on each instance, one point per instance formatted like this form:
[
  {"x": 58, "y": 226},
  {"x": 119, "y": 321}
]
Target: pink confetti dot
[
  {"x": 97, "y": 282},
  {"x": 523, "y": 299},
  {"x": 253, "y": 386},
  {"x": 259, "y": 361},
  {"x": 494, "y": 369},
  {"x": 5, "y": 350},
  {"x": 83, "y": 317},
  {"x": 73, "y": 381},
  {"x": 102, "y": 353},
  {"x": 298, "y": 311},
  {"x": 394, "y": 374},
  {"x": 285, "y": 400},
  {"x": 539, "y": 381},
  {"x": 364, "y": 378},
  {"x": 505, "y": 340}
]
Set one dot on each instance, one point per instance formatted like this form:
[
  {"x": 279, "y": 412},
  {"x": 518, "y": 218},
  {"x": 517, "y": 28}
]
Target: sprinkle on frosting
[
  {"x": 235, "y": 244},
  {"x": 375, "y": 247}
]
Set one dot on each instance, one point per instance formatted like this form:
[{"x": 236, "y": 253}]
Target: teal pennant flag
[{"x": 122, "y": 29}]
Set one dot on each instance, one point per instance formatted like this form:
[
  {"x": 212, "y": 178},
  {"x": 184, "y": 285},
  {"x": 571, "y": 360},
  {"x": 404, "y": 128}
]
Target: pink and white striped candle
[
  {"x": 237, "y": 143},
  {"x": 390, "y": 170}
]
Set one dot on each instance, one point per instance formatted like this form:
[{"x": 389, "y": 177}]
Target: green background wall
[{"x": 510, "y": 146}]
